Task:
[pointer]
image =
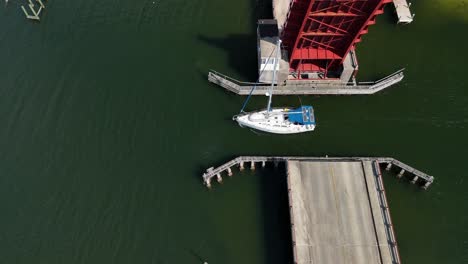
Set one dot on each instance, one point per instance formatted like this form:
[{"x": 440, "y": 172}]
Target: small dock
[
  {"x": 291, "y": 87},
  {"x": 338, "y": 207},
  {"x": 416, "y": 176},
  {"x": 403, "y": 11}
]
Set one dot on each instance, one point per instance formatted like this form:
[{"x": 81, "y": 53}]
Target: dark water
[{"x": 107, "y": 122}]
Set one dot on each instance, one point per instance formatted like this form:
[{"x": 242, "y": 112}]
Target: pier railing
[
  {"x": 212, "y": 172},
  {"x": 382, "y": 196},
  {"x": 313, "y": 88}
]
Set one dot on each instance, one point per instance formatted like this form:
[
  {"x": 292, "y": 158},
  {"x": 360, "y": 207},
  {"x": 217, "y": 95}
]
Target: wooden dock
[
  {"x": 403, "y": 11},
  {"x": 416, "y": 176},
  {"x": 317, "y": 88}
]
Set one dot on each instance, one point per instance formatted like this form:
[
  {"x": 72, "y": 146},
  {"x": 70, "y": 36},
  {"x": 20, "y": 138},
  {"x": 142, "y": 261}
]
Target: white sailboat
[{"x": 278, "y": 120}]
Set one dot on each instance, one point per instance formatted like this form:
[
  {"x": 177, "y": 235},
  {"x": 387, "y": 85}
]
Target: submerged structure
[{"x": 319, "y": 38}]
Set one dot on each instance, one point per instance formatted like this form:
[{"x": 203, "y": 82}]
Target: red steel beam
[{"x": 318, "y": 34}]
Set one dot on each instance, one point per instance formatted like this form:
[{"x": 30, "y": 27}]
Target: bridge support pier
[
  {"x": 241, "y": 165},
  {"x": 229, "y": 171},
  {"x": 263, "y": 164},
  {"x": 414, "y": 179},
  {"x": 252, "y": 165},
  {"x": 218, "y": 177}
]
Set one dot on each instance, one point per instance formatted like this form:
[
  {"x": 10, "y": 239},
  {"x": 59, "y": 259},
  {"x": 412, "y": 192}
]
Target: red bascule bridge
[
  {"x": 319, "y": 36},
  {"x": 318, "y": 42}
]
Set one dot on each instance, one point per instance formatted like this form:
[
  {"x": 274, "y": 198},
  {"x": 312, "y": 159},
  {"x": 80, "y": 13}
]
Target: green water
[{"x": 107, "y": 122}]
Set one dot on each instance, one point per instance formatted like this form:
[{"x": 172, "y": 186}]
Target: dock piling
[
  {"x": 426, "y": 185},
  {"x": 401, "y": 173},
  {"x": 241, "y": 165},
  {"x": 389, "y": 166},
  {"x": 417, "y": 176}
]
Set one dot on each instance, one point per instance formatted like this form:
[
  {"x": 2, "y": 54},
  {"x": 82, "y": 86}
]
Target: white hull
[{"x": 275, "y": 121}]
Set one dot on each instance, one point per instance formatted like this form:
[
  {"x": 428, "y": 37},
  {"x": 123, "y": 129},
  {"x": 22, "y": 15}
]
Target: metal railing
[
  {"x": 310, "y": 88},
  {"x": 212, "y": 172}
]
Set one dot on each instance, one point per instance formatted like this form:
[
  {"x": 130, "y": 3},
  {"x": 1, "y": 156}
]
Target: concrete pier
[
  {"x": 403, "y": 11},
  {"x": 389, "y": 166},
  {"x": 338, "y": 206},
  {"x": 424, "y": 179},
  {"x": 291, "y": 87}
]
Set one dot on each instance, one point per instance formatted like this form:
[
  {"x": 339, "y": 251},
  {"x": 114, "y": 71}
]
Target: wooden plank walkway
[
  {"x": 403, "y": 11},
  {"x": 417, "y": 176},
  {"x": 244, "y": 88}
]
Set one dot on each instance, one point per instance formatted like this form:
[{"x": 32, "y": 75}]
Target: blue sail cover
[{"x": 303, "y": 115}]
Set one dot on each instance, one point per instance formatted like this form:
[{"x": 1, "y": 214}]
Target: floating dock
[
  {"x": 338, "y": 206},
  {"x": 301, "y": 88},
  {"x": 403, "y": 11}
]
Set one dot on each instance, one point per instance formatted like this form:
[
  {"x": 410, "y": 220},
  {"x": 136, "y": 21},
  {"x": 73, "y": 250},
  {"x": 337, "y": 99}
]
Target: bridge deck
[
  {"x": 336, "y": 214},
  {"x": 338, "y": 206}
]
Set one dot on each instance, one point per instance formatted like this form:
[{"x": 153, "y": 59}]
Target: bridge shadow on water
[
  {"x": 242, "y": 48},
  {"x": 241, "y": 53},
  {"x": 275, "y": 216}
]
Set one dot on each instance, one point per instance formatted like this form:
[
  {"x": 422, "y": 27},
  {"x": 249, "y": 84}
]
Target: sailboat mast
[{"x": 274, "y": 79}]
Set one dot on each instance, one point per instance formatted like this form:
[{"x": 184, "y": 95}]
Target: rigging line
[
  {"x": 300, "y": 101},
  {"x": 275, "y": 78},
  {"x": 255, "y": 85}
]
